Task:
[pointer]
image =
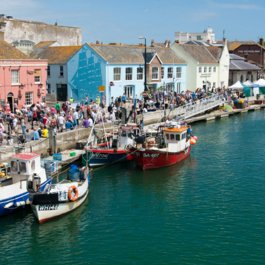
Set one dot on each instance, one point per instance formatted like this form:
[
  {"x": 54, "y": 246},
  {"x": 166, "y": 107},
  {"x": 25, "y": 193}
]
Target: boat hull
[
  {"x": 19, "y": 199},
  {"x": 47, "y": 212},
  {"x": 102, "y": 157},
  {"x": 152, "y": 159},
  {"x": 49, "y": 207}
]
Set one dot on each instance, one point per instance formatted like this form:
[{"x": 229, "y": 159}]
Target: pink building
[{"x": 22, "y": 80}]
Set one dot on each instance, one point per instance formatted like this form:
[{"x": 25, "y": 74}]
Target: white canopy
[
  {"x": 248, "y": 83},
  {"x": 260, "y": 82},
  {"x": 237, "y": 85}
]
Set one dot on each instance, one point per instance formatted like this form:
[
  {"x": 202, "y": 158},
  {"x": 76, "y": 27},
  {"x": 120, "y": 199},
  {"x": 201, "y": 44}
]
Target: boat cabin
[
  {"x": 24, "y": 165},
  {"x": 175, "y": 137},
  {"x": 127, "y": 134}
]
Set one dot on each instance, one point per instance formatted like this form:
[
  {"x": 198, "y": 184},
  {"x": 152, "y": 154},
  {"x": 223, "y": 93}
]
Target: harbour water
[{"x": 207, "y": 210}]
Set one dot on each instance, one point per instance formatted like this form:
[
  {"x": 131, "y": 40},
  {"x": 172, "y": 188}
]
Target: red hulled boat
[{"x": 170, "y": 146}]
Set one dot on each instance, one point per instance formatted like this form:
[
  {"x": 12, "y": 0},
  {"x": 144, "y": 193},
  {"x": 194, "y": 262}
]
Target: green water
[{"x": 207, "y": 210}]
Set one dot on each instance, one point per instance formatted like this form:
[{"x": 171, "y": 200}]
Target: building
[
  {"x": 207, "y": 36},
  {"x": 111, "y": 70},
  {"x": 253, "y": 52},
  {"x": 25, "y": 34},
  {"x": 59, "y": 63},
  {"x": 207, "y": 66},
  {"x": 240, "y": 70},
  {"x": 22, "y": 80}
]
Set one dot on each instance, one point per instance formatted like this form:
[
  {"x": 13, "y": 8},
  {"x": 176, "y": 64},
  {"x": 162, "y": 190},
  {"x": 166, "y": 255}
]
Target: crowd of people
[{"x": 34, "y": 122}]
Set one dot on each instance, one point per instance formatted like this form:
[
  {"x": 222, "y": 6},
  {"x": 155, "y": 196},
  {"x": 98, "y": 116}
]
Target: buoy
[
  {"x": 195, "y": 138},
  {"x": 192, "y": 141}
]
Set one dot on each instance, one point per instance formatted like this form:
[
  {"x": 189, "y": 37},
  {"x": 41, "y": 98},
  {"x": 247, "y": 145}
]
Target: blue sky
[{"x": 125, "y": 20}]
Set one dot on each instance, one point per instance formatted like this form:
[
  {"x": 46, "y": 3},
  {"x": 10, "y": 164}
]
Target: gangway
[{"x": 189, "y": 109}]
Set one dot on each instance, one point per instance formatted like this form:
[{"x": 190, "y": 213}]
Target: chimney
[
  {"x": 152, "y": 43},
  {"x": 261, "y": 41}
]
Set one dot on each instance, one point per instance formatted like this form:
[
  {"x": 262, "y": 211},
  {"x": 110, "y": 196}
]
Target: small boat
[
  {"x": 13, "y": 186},
  {"x": 170, "y": 146},
  {"x": 118, "y": 147},
  {"x": 60, "y": 198}
]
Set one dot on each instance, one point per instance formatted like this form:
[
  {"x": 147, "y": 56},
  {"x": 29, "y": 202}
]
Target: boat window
[
  {"x": 13, "y": 166},
  {"x": 183, "y": 136},
  {"x": 22, "y": 167},
  {"x": 167, "y": 136},
  {"x": 177, "y": 137},
  {"x": 172, "y": 136},
  {"x": 33, "y": 165}
]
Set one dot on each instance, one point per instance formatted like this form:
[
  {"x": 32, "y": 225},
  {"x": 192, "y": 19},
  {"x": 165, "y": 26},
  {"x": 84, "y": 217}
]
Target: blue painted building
[{"x": 110, "y": 70}]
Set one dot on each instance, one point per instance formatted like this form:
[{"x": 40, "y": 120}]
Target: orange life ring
[{"x": 72, "y": 193}]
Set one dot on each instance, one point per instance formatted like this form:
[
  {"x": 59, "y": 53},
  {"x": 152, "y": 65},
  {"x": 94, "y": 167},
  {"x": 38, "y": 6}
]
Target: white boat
[
  {"x": 13, "y": 186},
  {"x": 59, "y": 198}
]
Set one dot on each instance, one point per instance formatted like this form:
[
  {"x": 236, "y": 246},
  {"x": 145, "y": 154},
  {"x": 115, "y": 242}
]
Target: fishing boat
[
  {"x": 169, "y": 146},
  {"x": 13, "y": 186},
  {"x": 59, "y": 198},
  {"x": 117, "y": 146}
]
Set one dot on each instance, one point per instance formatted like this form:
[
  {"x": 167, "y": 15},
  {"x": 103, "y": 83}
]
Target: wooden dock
[{"x": 220, "y": 114}]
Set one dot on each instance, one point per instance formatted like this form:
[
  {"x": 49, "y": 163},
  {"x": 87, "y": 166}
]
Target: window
[
  {"x": 172, "y": 136},
  {"x": 200, "y": 69},
  {"x": 48, "y": 88},
  {"x": 183, "y": 136},
  {"x": 178, "y": 87},
  {"x": 117, "y": 73},
  {"x": 210, "y": 69},
  {"x": 154, "y": 73},
  {"x": 128, "y": 91},
  {"x": 169, "y": 72},
  {"x": 22, "y": 167},
  {"x": 48, "y": 71},
  {"x": 15, "y": 77},
  {"x": 178, "y": 72},
  {"x": 128, "y": 73},
  {"x": 61, "y": 70},
  {"x": 214, "y": 69},
  {"x": 14, "y": 166},
  {"x": 162, "y": 72},
  {"x": 140, "y": 73},
  {"x": 37, "y": 75},
  {"x": 178, "y": 137},
  {"x": 29, "y": 98},
  {"x": 205, "y": 69}
]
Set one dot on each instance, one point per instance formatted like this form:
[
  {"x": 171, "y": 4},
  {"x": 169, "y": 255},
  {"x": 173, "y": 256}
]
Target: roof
[
  {"x": 56, "y": 55},
  {"x": 168, "y": 56},
  {"x": 44, "y": 44},
  {"x": 120, "y": 54},
  {"x": 134, "y": 54},
  {"x": 216, "y": 51},
  {"x": 238, "y": 63},
  {"x": 9, "y": 52},
  {"x": 25, "y": 156},
  {"x": 199, "y": 53},
  {"x": 233, "y": 45}
]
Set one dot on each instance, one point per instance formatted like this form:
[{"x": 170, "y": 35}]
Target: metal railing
[{"x": 189, "y": 109}]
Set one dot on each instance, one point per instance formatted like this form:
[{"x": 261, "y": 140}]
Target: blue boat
[{"x": 13, "y": 186}]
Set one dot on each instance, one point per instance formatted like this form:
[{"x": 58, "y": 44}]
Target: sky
[{"x": 124, "y": 21}]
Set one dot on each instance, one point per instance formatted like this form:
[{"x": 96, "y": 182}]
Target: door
[{"x": 61, "y": 92}]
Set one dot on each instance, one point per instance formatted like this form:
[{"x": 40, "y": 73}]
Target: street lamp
[{"x": 144, "y": 38}]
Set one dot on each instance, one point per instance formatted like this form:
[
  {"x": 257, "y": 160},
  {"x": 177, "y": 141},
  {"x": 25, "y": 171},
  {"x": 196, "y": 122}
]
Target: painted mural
[{"x": 86, "y": 74}]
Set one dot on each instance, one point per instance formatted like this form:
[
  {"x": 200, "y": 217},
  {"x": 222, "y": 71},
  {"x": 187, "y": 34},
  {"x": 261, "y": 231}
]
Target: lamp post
[{"x": 144, "y": 38}]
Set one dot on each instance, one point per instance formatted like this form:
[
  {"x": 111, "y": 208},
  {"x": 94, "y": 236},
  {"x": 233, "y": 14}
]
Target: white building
[
  {"x": 207, "y": 36},
  {"x": 207, "y": 66}
]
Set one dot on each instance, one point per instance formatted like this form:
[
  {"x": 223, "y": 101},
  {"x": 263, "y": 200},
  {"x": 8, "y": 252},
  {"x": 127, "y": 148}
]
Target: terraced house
[
  {"x": 207, "y": 66},
  {"x": 116, "y": 69},
  {"x": 22, "y": 79}
]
